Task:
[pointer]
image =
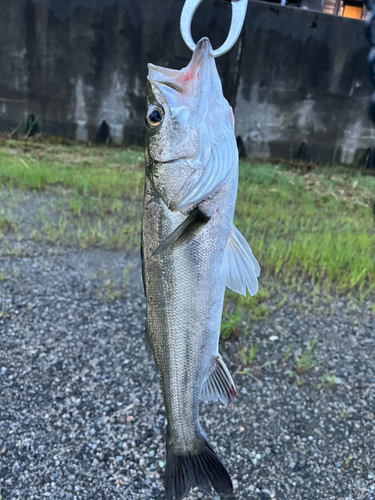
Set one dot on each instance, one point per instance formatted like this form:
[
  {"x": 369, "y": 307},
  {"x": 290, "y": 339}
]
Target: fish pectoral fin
[
  {"x": 218, "y": 384},
  {"x": 240, "y": 267},
  {"x": 185, "y": 232}
]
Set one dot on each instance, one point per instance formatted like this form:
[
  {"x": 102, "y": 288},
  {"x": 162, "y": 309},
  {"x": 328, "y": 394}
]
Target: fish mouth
[
  {"x": 174, "y": 84},
  {"x": 202, "y": 50}
]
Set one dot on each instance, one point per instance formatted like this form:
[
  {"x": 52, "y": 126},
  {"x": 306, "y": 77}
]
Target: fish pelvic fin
[
  {"x": 240, "y": 267},
  {"x": 218, "y": 384},
  {"x": 203, "y": 470}
]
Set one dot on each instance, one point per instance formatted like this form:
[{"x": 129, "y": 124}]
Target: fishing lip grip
[{"x": 239, "y": 8}]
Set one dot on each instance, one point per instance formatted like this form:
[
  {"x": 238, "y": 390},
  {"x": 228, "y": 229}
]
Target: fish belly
[{"x": 185, "y": 292}]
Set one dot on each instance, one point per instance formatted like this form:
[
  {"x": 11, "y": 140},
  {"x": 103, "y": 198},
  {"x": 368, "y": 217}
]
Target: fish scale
[
  {"x": 189, "y": 247},
  {"x": 183, "y": 296}
]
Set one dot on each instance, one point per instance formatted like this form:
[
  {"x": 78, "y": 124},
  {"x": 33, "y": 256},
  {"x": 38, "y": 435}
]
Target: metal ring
[{"x": 239, "y": 8}]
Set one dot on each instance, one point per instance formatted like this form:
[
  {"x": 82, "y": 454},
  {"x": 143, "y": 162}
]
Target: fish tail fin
[{"x": 203, "y": 469}]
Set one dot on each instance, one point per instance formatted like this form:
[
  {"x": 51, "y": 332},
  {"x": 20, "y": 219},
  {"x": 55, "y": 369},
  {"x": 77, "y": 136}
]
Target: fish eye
[{"x": 155, "y": 116}]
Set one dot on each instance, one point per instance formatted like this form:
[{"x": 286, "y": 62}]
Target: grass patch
[
  {"x": 91, "y": 196},
  {"x": 232, "y": 323},
  {"x": 315, "y": 227},
  {"x": 91, "y": 171},
  {"x": 5, "y": 226}
]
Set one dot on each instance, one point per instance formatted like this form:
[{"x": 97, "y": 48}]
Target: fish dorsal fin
[
  {"x": 186, "y": 231},
  {"x": 218, "y": 384},
  {"x": 240, "y": 267}
]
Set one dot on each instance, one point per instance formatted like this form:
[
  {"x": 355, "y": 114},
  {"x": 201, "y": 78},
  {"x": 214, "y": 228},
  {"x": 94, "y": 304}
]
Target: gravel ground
[{"x": 81, "y": 412}]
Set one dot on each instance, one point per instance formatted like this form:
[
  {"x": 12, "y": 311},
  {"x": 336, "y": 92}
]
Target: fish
[{"x": 191, "y": 252}]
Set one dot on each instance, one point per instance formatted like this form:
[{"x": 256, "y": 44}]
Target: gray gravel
[{"x": 81, "y": 412}]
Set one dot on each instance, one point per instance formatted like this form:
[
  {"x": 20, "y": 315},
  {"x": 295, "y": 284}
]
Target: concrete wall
[
  {"x": 303, "y": 88},
  {"x": 297, "y": 79},
  {"x": 74, "y": 63}
]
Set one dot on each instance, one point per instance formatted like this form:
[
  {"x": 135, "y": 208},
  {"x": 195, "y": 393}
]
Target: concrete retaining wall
[
  {"x": 297, "y": 79},
  {"x": 76, "y": 63},
  {"x": 303, "y": 88}
]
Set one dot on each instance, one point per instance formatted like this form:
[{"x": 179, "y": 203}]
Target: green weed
[
  {"x": 232, "y": 325},
  {"x": 287, "y": 352},
  {"x": 42, "y": 214},
  {"x": 126, "y": 274},
  {"x": 257, "y": 305},
  {"x": 15, "y": 251},
  {"x": 328, "y": 380},
  {"x": 75, "y": 206},
  {"x": 345, "y": 463},
  {"x": 343, "y": 412},
  {"x": 305, "y": 361},
  {"x": 5, "y": 226},
  {"x": 112, "y": 293},
  {"x": 247, "y": 355}
]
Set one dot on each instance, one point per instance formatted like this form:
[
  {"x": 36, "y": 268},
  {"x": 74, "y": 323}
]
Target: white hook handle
[{"x": 239, "y": 8}]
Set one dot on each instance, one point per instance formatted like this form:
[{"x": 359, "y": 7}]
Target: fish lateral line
[{"x": 185, "y": 232}]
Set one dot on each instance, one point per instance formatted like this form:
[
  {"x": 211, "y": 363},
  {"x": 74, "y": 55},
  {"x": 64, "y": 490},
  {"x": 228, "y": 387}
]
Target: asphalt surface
[{"x": 81, "y": 412}]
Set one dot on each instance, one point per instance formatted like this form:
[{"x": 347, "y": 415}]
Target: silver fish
[{"x": 190, "y": 252}]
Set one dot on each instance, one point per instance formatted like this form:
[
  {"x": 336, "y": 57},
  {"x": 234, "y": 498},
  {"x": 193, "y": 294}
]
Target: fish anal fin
[
  {"x": 218, "y": 384},
  {"x": 240, "y": 267}
]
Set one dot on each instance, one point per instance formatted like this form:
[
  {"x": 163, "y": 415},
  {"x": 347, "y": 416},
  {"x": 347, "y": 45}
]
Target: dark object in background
[
  {"x": 371, "y": 107},
  {"x": 240, "y": 147},
  {"x": 103, "y": 135},
  {"x": 371, "y": 65},
  {"x": 301, "y": 151},
  {"x": 32, "y": 126},
  {"x": 370, "y": 35}
]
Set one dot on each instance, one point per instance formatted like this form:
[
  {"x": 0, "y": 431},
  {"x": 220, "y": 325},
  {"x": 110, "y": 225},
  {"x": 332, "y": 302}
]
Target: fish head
[{"x": 187, "y": 118}]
